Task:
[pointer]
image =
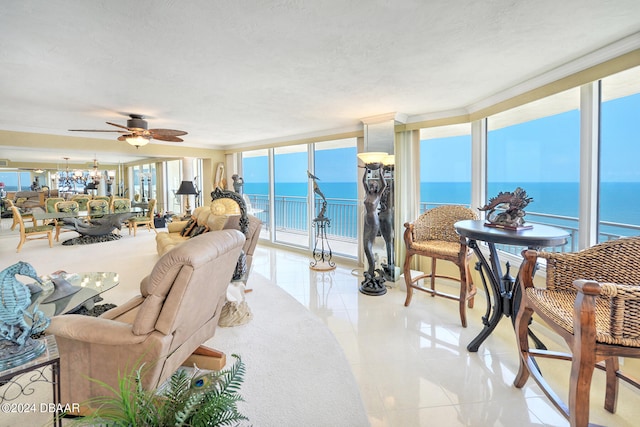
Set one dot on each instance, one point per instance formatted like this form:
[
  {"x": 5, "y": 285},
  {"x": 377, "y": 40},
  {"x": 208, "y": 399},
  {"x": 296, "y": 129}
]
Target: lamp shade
[
  {"x": 372, "y": 157},
  {"x": 137, "y": 141},
  {"x": 187, "y": 187}
]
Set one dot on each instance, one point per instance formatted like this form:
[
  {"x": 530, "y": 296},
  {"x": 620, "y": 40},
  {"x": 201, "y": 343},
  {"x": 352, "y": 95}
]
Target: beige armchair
[{"x": 161, "y": 327}]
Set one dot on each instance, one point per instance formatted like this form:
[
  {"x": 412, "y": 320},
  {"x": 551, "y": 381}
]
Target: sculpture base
[
  {"x": 12, "y": 355},
  {"x": 61, "y": 289},
  {"x": 87, "y": 239},
  {"x": 373, "y": 285}
]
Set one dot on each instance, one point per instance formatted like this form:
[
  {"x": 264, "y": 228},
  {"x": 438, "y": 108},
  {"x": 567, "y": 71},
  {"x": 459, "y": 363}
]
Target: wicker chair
[
  {"x": 592, "y": 300},
  {"x": 28, "y": 233},
  {"x": 144, "y": 220},
  {"x": 432, "y": 235}
]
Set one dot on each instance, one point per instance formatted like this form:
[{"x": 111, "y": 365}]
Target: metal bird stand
[{"x": 321, "y": 249}]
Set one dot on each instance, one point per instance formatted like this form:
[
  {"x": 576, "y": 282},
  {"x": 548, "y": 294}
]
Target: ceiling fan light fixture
[{"x": 137, "y": 140}]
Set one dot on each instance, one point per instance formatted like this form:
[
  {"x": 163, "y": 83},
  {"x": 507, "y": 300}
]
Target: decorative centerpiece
[
  {"x": 506, "y": 210},
  {"x": 17, "y": 322}
]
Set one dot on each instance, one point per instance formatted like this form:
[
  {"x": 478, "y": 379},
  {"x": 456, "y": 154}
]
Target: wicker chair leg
[
  {"x": 407, "y": 279},
  {"x": 463, "y": 297},
  {"x": 612, "y": 365},
  {"x": 522, "y": 332},
  {"x": 433, "y": 276},
  {"x": 471, "y": 288},
  {"x": 584, "y": 359}
]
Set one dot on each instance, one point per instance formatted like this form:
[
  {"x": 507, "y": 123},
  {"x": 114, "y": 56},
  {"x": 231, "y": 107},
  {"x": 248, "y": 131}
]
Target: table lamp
[{"x": 187, "y": 188}]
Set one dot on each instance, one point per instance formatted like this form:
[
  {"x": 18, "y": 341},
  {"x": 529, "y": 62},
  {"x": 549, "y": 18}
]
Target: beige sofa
[
  {"x": 177, "y": 310},
  {"x": 219, "y": 215}
]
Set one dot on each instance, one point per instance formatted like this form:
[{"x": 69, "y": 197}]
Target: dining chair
[
  {"x": 30, "y": 233},
  {"x": 432, "y": 235},
  {"x": 82, "y": 200},
  {"x": 24, "y": 215},
  {"x": 71, "y": 207},
  {"x": 97, "y": 208},
  {"x": 591, "y": 299},
  {"x": 120, "y": 205},
  {"x": 144, "y": 220}
]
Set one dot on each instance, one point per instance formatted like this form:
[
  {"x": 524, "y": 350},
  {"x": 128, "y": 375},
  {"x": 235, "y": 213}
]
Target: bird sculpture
[
  {"x": 316, "y": 189},
  {"x": 15, "y": 299}
]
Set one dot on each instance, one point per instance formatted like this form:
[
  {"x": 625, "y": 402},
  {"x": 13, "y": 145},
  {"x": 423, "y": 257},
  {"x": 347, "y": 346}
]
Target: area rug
[{"x": 296, "y": 372}]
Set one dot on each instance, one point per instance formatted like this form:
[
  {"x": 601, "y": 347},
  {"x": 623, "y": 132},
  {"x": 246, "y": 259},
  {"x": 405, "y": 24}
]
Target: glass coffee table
[{"x": 85, "y": 291}]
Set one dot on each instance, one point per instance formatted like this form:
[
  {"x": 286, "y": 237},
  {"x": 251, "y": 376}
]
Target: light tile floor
[{"x": 411, "y": 363}]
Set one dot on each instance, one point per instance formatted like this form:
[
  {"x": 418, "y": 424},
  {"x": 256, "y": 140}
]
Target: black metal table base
[{"x": 503, "y": 295}]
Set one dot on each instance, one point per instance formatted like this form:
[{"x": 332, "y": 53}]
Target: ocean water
[{"x": 619, "y": 201}]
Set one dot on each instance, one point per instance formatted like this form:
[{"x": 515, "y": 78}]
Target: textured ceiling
[{"x": 239, "y": 72}]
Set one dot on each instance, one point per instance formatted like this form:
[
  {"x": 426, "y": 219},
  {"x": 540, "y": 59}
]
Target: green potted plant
[{"x": 188, "y": 399}]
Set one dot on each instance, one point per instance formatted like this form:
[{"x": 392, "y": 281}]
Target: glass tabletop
[
  {"x": 42, "y": 215},
  {"x": 83, "y": 290}
]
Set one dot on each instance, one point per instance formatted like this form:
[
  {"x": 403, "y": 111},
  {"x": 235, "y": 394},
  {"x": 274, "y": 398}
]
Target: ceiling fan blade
[
  {"x": 117, "y": 125},
  {"x": 169, "y": 138},
  {"x": 167, "y": 132},
  {"x": 97, "y": 130}
]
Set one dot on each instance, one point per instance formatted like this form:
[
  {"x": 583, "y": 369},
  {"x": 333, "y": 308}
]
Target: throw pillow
[
  {"x": 196, "y": 231},
  {"x": 188, "y": 227}
]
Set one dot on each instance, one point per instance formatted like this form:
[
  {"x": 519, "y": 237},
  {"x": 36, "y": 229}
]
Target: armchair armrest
[
  {"x": 587, "y": 287},
  {"x": 93, "y": 330},
  {"x": 408, "y": 234},
  {"x": 176, "y": 226}
]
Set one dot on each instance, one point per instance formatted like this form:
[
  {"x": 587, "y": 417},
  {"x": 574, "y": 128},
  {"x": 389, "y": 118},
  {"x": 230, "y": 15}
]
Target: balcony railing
[
  {"x": 292, "y": 216},
  {"x": 608, "y": 230}
]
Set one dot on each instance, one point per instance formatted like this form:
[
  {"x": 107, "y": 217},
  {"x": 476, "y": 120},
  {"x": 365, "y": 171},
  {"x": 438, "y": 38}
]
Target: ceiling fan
[{"x": 137, "y": 134}]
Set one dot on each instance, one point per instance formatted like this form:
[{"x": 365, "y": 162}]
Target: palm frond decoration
[{"x": 190, "y": 399}]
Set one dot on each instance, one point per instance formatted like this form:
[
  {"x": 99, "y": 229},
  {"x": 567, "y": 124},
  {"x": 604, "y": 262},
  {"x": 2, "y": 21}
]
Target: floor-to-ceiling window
[
  {"x": 336, "y": 168},
  {"x": 619, "y": 205},
  {"x": 445, "y": 166},
  {"x": 290, "y": 195},
  {"x": 172, "y": 183},
  {"x": 537, "y": 147},
  {"x": 255, "y": 175}
]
